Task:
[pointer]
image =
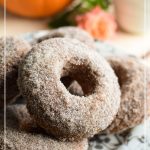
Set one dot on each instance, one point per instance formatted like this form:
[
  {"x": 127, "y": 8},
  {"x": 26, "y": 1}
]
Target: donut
[
  {"x": 15, "y": 51},
  {"x": 128, "y": 102},
  {"x": 58, "y": 112},
  {"x": 69, "y": 32},
  {"x": 130, "y": 73},
  {"x": 18, "y": 139}
]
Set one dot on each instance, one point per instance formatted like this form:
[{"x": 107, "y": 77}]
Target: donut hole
[
  {"x": 53, "y": 35},
  {"x": 56, "y": 35},
  {"x": 122, "y": 75},
  {"x": 72, "y": 86},
  {"x": 66, "y": 80},
  {"x": 80, "y": 79}
]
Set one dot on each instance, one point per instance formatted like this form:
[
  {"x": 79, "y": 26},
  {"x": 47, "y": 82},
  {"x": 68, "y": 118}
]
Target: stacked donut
[{"x": 71, "y": 91}]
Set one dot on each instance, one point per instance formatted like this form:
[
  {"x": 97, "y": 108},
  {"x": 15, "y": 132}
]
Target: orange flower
[{"x": 99, "y": 24}]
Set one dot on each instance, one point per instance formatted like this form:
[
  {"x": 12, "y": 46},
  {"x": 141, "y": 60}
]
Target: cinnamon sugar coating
[
  {"x": 18, "y": 139},
  {"x": 70, "y": 32},
  {"x": 132, "y": 104},
  {"x": 15, "y": 50},
  {"x": 66, "y": 116},
  {"x": 130, "y": 73}
]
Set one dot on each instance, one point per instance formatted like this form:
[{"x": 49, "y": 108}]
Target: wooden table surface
[{"x": 127, "y": 42}]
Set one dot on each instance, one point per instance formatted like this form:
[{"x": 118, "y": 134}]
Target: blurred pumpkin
[{"x": 35, "y": 8}]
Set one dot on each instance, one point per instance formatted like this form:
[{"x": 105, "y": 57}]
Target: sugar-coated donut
[
  {"x": 69, "y": 32},
  {"x": 130, "y": 73},
  {"x": 66, "y": 116},
  {"x": 18, "y": 139},
  {"x": 126, "y": 69},
  {"x": 12, "y": 50}
]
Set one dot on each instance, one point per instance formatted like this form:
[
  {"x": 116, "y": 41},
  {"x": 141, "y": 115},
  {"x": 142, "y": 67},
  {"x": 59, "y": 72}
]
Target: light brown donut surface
[
  {"x": 15, "y": 50},
  {"x": 60, "y": 113},
  {"x": 18, "y": 139},
  {"x": 132, "y": 104},
  {"x": 70, "y": 32},
  {"x": 130, "y": 73}
]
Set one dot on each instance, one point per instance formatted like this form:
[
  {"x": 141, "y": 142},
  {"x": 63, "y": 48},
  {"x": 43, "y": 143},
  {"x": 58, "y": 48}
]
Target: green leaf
[
  {"x": 60, "y": 20},
  {"x": 102, "y": 3},
  {"x": 68, "y": 17}
]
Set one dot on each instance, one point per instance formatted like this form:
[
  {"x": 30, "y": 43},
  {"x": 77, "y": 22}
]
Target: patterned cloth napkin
[{"x": 137, "y": 138}]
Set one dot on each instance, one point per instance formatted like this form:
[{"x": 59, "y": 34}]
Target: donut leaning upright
[
  {"x": 12, "y": 51},
  {"x": 131, "y": 76}
]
